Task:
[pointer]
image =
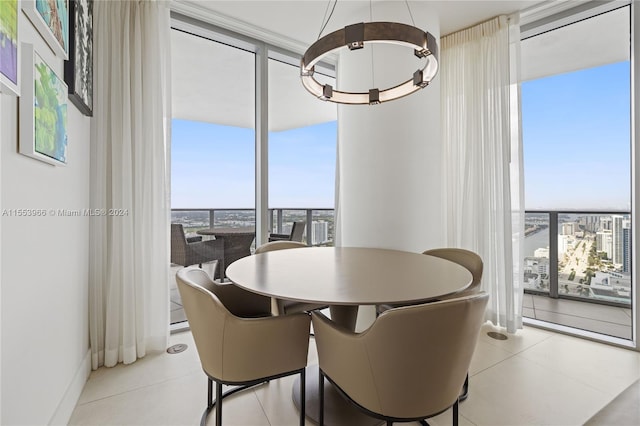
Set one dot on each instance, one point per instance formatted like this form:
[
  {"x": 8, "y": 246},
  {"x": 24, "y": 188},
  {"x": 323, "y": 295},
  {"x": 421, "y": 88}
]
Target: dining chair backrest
[
  {"x": 282, "y": 306},
  {"x": 411, "y": 363},
  {"x": 279, "y": 245},
  {"x": 467, "y": 258},
  {"x": 237, "y": 339},
  {"x": 297, "y": 230}
]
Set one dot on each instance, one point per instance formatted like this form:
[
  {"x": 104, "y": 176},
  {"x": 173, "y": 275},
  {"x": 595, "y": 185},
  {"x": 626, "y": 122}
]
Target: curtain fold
[
  {"x": 482, "y": 158},
  {"x": 129, "y": 233}
]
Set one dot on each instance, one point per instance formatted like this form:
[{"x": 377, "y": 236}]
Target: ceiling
[
  {"x": 301, "y": 20},
  {"x": 214, "y": 83}
]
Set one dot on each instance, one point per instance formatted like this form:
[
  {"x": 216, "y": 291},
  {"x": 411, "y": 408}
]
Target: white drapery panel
[
  {"x": 129, "y": 259},
  {"x": 482, "y": 161}
]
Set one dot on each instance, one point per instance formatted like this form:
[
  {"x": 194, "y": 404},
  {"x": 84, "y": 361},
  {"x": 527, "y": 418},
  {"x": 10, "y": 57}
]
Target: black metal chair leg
[
  {"x": 303, "y": 397},
  {"x": 321, "y": 382},
  {"x": 455, "y": 413},
  {"x": 209, "y": 392},
  {"x": 218, "y": 404},
  {"x": 465, "y": 389}
]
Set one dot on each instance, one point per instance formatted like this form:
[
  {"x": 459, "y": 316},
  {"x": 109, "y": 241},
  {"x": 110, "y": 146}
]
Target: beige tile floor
[{"x": 536, "y": 377}]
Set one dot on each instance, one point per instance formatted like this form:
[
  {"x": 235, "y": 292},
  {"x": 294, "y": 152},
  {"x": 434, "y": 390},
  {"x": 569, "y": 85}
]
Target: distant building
[
  {"x": 604, "y": 242},
  {"x": 541, "y": 252},
  {"x": 565, "y": 242},
  {"x": 620, "y": 226},
  {"x": 591, "y": 223},
  {"x": 626, "y": 249},
  {"x": 605, "y": 223},
  {"x": 319, "y": 232},
  {"x": 536, "y": 265},
  {"x": 569, "y": 228}
]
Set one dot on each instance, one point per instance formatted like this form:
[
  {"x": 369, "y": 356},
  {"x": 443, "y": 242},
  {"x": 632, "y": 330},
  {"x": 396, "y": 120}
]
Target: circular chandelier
[{"x": 354, "y": 37}]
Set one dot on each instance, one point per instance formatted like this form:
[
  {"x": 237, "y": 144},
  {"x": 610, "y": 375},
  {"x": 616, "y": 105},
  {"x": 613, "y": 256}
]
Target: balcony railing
[
  {"x": 583, "y": 256},
  {"x": 320, "y": 229}
]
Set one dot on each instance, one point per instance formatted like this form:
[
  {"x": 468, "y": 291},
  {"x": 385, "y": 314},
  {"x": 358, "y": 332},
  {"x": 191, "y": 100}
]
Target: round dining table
[{"x": 344, "y": 278}]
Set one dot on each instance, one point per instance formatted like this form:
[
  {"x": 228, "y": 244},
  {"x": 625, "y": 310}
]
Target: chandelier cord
[
  {"x": 324, "y": 24},
  {"x": 410, "y": 14},
  {"x": 373, "y": 79}
]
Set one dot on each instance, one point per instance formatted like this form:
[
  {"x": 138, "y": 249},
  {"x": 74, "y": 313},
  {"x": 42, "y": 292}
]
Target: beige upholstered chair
[
  {"x": 470, "y": 260},
  {"x": 297, "y": 230},
  {"x": 463, "y": 257},
  {"x": 410, "y": 364},
  {"x": 238, "y": 341},
  {"x": 193, "y": 251},
  {"x": 284, "y": 307}
]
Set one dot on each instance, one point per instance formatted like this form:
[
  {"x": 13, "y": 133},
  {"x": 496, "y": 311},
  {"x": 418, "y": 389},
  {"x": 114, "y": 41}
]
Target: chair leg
[
  {"x": 455, "y": 413},
  {"x": 303, "y": 397},
  {"x": 465, "y": 389},
  {"x": 389, "y": 423},
  {"x": 218, "y": 404},
  {"x": 321, "y": 382},
  {"x": 209, "y": 392}
]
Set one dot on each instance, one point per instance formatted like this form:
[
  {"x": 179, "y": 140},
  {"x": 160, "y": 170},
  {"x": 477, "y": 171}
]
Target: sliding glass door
[{"x": 576, "y": 126}]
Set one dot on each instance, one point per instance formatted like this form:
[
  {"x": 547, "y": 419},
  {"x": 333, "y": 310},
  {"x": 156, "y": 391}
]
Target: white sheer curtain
[
  {"x": 129, "y": 261},
  {"x": 482, "y": 158}
]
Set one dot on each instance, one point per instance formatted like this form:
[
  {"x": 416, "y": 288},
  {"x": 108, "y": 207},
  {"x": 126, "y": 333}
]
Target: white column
[{"x": 390, "y": 192}]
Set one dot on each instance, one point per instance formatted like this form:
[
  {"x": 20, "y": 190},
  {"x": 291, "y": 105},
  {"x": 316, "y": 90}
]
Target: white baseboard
[{"x": 71, "y": 396}]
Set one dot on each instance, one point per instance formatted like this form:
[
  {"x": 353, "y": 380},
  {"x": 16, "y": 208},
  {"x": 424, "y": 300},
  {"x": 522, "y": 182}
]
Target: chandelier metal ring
[{"x": 354, "y": 36}]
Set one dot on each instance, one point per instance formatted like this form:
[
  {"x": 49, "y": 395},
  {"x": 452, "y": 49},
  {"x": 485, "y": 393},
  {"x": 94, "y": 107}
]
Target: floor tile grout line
[
  {"x": 493, "y": 365},
  {"x": 162, "y": 382},
  {"x": 266, "y": 416},
  {"x": 496, "y": 343}
]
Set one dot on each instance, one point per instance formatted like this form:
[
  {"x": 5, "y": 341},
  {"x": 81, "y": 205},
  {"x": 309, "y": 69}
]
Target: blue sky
[
  {"x": 212, "y": 166},
  {"x": 576, "y": 137}
]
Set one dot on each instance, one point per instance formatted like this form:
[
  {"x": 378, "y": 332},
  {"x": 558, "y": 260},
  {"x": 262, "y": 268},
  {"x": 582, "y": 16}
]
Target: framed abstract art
[
  {"x": 78, "y": 70},
  {"x": 9, "y": 53},
  {"x": 43, "y": 110},
  {"x": 51, "y": 19}
]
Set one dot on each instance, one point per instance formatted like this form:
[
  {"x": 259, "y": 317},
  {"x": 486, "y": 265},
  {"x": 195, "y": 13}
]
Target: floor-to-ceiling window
[
  {"x": 217, "y": 138},
  {"x": 302, "y": 153},
  {"x": 576, "y": 129},
  {"x": 212, "y": 137}
]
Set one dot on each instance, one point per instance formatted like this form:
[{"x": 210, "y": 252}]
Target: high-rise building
[
  {"x": 605, "y": 223},
  {"x": 626, "y": 248},
  {"x": 621, "y": 225},
  {"x": 604, "y": 242},
  {"x": 569, "y": 228},
  {"x": 319, "y": 232}
]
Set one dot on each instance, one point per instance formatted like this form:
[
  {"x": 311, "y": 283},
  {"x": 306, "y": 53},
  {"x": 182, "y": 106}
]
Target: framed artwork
[
  {"x": 43, "y": 110},
  {"x": 78, "y": 70},
  {"x": 51, "y": 19},
  {"x": 9, "y": 59}
]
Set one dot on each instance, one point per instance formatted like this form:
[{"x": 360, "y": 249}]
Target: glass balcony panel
[{"x": 536, "y": 252}]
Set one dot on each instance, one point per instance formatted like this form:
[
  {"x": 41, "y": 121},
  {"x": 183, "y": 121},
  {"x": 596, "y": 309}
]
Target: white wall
[{"x": 44, "y": 269}]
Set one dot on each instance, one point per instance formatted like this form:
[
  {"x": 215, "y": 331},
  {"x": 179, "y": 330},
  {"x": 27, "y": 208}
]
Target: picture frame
[
  {"x": 78, "y": 69},
  {"x": 9, "y": 48},
  {"x": 51, "y": 19},
  {"x": 43, "y": 110}
]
